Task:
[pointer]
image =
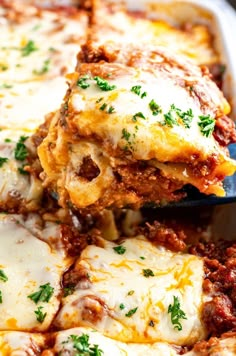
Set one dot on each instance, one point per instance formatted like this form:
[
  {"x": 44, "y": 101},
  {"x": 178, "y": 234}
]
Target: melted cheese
[
  {"x": 123, "y": 29},
  {"x": 20, "y": 343},
  {"x": 28, "y": 262},
  {"x": 34, "y": 84},
  {"x": 16, "y": 188},
  {"x": 109, "y": 347},
  {"x": 112, "y": 276}
]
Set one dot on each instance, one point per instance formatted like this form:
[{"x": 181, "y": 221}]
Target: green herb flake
[
  {"x": 155, "y": 108},
  {"x": 151, "y": 323},
  {"x": 82, "y": 82},
  {"x": 43, "y": 295},
  {"x": 131, "y": 312},
  {"x": 21, "y": 170},
  {"x": 3, "y": 276},
  {"x": 7, "y": 140},
  {"x": 21, "y": 151},
  {"x": 111, "y": 110},
  {"x": 103, "y": 107},
  {"x": 138, "y": 114},
  {"x": 44, "y": 69},
  {"x": 122, "y": 306},
  {"x": 0, "y": 297},
  {"x": 119, "y": 249},
  {"x": 6, "y": 86},
  {"x": 143, "y": 94},
  {"x": 3, "y": 67},
  {"x": 103, "y": 84},
  {"x": 169, "y": 118},
  {"x": 136, "y": 89},
  {"x": 2, "y": 161},
  {"x": 68, "y": 291},
  {"x": 187, "y": 117},
  {"x": 206, "y": 124},
  {"x": 40, "y": 316},
  {"x": 142, "y": 257},
  {"x": 131, "y": 292},
  {"x": 125, "y": 135},
  {"x": 99, "y": 100},
  {"x": 28, "y": 48},
  {"x": 148, "y": 273},
  {"x": 176, "y": 314},
  {"x": 82, "y": 346}
]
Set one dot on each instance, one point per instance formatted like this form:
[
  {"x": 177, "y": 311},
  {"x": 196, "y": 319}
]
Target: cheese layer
[
  {"x": 28, "y": 263},
  {"x": 117, "y": 286}
]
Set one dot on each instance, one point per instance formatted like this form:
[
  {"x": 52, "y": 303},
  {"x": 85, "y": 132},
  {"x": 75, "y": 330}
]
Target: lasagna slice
[
  {"x": 112, "y": 22},
  {"x": 136, "y": 128},
  {"x": 32, "y": 263},
  {"x": 130, "y": 292}
]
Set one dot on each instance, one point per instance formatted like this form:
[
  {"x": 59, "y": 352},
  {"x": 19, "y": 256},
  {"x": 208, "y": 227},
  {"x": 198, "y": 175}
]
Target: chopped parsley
[
  {"x": 7, "y": 140},
  {"x": 131, "y": 312},
  {"x": 137, "y": 90},
  {"x": 122, "y": 306},
  {"x": 82, "y": 346},
  {"x": 21, "y": 170},
  {"x": 131, "y": 292},
  {"x": 3, "y": 276},
  {"x": 151, "y": 323},
  {"x": 28, "y": 48},
  {"x": 169, "y": 118},
  {"x": 82, "y": 82},
  {"x": 148, "y": 273},
  {"x": 43, "y": 295},
  {"x": 187, "y": 117},
  {"x": 68, "y": 291},
  {"x": 6, "y": 86},
  {"x": 0, "y": 297},
  {"x": 119, "y": 249},
  {"x": 111, "y": 110},
  {"x": 155, "y": 108},
  {"x": 103, "y": 107},
  {"x": 206, "y": 124},
  {"x": 126, "y": 135},
  {"x": 99, "y": 100},
  {"x": 3, "y": 67},
  {"x": 138, "y": 114},
  {"x": 40, "y": 316},
  {"x": 176, "y": 314},
  {"x": 103, "y": 84},
  {"x": 44, "y": 69},
  {"x": 21, "y": 151},
  {"x": 142, "y": 257},
  {"x": 2, "y": 161}
]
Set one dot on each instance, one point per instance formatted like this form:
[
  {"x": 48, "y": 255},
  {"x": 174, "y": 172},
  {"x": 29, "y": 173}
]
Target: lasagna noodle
[{"x": 117, "y": 129}]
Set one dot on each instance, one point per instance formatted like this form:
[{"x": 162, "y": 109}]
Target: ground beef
[{"x": 224, "y": 131}]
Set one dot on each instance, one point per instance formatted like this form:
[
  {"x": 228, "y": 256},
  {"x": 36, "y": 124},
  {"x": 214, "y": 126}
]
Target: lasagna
[
  {"x": 83, "y": 271},
  {"x": 136, "y": 128}
]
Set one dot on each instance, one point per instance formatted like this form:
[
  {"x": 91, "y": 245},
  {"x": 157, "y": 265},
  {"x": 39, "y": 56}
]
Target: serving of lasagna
[{"x": 104, "y": 110}]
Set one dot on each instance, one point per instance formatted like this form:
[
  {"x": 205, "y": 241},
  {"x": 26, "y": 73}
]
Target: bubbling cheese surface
[
  {"x": 28, "y": 262},
  {"x": 117, "y": 285},
  {"x": 19, "y": 343}
]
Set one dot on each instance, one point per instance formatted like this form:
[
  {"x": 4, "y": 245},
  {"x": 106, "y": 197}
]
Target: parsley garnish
[
  {"x": 44, "y": 69},
  {"x": 111, "y": 110},
  {"x": 131, "y": 292},
  {"x": 82, "y": 82},
  {"x": 6, "y": 86},
  {"x": 82, "y": 346},
  {"x": 155, "y": 108},
  {"x": 43, "y": 295},
  {"x": 103, "y": 84},
  {"x": 187, "y": 117},
  {"x": 206, "y": 124},
  {"x": 21, "y": 170},
  {"x": 103, "y": 107},
  {"x": 126, "y": 135},
  {"x": 3, "y": 276},
  {"x": 28, "y": 48},
  {"x": 7, "y": 140},
  {"x": 138, "y": 114},
  {"x": 122, "y": 306},
  {"x": 40, "y": 316},
  {"x": 169, "y": 118},
  {"x": 21, "y": 151},
  {"x": 131, "y": 312},
  {"x": 119, "y": 249},
  {"x": 137, "y": 90},
  {"x": 176, "y": 314},
  {"x": 99, "y": 100},
  {"x": 142, "y": 257},
  {"x": 3, "y": 67},
  {"x": 68, "y": 291},
  {"x": 2, "y": 161},
  {"x": 0, "y": 297},
  {"x": 148, "y": 273}
]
